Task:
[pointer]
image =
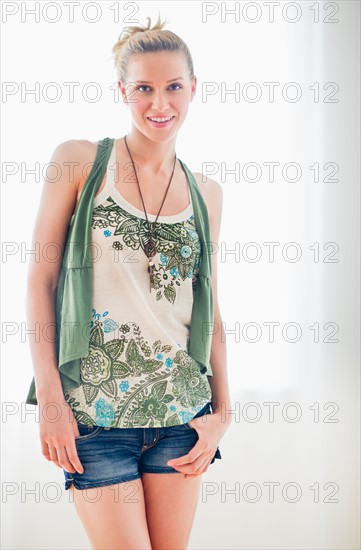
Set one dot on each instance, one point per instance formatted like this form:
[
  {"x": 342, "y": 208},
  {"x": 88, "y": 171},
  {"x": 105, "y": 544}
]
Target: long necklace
[{"x": 150, "y": 248}]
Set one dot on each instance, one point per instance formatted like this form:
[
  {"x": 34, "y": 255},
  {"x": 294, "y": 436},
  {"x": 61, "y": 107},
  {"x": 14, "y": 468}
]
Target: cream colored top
[{"x": 138, "y": 372}]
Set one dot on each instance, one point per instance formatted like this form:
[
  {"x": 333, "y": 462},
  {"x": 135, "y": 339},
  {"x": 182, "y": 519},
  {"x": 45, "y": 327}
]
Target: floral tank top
[{"x": 137, "y": 372}]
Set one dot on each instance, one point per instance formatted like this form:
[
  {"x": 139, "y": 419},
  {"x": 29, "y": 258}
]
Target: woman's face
[{"x": 158, "y": 85}]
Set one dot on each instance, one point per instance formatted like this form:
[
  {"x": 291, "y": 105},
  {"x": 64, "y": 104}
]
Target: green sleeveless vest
[{"x": 74, "y": 290}]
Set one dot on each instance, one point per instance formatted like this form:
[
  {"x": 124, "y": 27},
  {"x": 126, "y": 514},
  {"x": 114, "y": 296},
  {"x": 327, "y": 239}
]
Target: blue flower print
[
  {"x": 186, "y": 251},
  {"x": 124, "y": 386},
  {"x": 163, "y": 259},
  {"x": 104, "y": 413},
  {"x": 159, "y": 356},
  {"x": 174, "y": 271},
  {"x": 168, "y": 362},
  {"x": 95, "y": 315},
  {"x": 107, "y": 233},
  {"x": 193, "y": 234},
  {"x": 108, "y": 324},
  {"x": 186, "y": 416}
]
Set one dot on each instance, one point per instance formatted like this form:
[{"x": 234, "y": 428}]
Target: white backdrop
[{"x": 289, "y": 476}]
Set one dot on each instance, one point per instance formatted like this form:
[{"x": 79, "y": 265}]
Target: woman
[{"x": 135, "y": 415}]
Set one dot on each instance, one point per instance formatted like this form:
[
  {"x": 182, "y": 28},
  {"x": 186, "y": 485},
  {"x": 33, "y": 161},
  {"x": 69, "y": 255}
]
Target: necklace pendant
[
  {"x": 150, "y": 248},
  {"x": 150, "y": 271}
]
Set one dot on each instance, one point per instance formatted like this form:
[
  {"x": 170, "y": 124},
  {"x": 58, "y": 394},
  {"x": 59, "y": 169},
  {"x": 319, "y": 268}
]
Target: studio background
[{"x": 287, "y": 482}]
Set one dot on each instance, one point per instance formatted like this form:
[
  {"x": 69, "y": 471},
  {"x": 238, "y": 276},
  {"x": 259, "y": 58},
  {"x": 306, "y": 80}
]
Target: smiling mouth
[{"x": 160, "y": 119}]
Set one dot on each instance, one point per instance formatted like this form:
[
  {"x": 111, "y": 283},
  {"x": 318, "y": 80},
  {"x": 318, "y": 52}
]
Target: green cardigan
[{"x": 74, "y": 289}]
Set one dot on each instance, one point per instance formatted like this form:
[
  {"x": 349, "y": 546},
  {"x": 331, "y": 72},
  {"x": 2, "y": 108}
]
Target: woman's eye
[
  {"x": 145, "y": 86},
  {"x": 142, "y": 86},
  {"x": 176, "y": 84}
]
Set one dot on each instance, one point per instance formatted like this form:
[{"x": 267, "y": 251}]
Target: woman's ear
[
  {"x": 194, "y": 87},
  {"x": 122, "y": 92}
]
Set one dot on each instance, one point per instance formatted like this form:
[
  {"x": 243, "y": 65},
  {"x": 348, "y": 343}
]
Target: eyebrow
[{"x": 149, "y": 82}]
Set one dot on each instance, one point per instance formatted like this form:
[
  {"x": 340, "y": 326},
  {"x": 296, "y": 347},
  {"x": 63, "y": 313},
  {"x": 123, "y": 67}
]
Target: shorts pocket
[{"x": 87, "y": 432}]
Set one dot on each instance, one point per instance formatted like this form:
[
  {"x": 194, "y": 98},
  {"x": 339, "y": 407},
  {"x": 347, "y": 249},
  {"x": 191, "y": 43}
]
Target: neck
[{"x": 156, "y": 157}]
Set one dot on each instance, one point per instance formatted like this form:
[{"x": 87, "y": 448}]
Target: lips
[
  {"x": 162, "y": 118},
  {"x": 163, "y": 124}
]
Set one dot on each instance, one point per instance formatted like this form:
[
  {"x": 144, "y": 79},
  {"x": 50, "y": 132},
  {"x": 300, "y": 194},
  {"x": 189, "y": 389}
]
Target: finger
[
  {"x": 194, "y": 466},
  {"x": 180, "y": 461},
  {"x": 200, "y": 465},
  {"x": 73, "y": 457},
  {"x": 188, "y": 458},
  {"x": 67, "y": 463},
  {"x": 54, "y": 455},
  {"x": 45, "y": 450},
  {"x": 64, "y": 462},
  {"x": 185, "y": 467},
  {"x": 195, "y": 475},
  {"x": 203, "y": 470}
]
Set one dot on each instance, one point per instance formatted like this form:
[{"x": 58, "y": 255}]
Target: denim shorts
[{"x": 117, "y": 455}]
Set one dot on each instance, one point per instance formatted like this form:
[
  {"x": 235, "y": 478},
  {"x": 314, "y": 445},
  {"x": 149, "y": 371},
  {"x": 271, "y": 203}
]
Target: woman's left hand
[{"x": 210, "y": 433}]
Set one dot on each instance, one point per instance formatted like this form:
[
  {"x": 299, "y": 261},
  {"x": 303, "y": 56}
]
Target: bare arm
[
  {"x": 58, "y": 200},
  {"x": 218, "y": 422},
  {"x": 213, "y": 194},
  {"x": 60, "y": 193}
]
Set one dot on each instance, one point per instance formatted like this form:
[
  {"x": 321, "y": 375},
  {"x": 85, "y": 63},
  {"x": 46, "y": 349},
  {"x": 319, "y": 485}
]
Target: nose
[{"x": 160, "y": 102}]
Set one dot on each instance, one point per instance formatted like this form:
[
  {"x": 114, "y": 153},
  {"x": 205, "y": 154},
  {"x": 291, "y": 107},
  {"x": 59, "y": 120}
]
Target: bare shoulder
[
  {"x": 75, "y": 147},
  {"x": 212, "y": 192},
  {"x": 76, "y": 150},
  {"x": 76, "y": 155},
  {"x": 58, "y": 201}
]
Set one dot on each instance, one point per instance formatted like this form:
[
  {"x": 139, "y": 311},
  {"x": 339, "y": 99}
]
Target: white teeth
[{"x": 160, "y": 119}]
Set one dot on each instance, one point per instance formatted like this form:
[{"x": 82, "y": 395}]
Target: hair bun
[
  {"x": 140, "y": 39},
  {"x": 127, "y": 32}
]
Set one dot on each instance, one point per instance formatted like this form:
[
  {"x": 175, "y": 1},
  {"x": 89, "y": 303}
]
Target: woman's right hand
[{"x": 58, "y": 430}]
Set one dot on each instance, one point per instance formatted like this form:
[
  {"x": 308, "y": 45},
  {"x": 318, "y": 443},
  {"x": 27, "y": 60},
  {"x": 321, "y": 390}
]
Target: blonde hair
[{"x": 142, "y": 39}]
